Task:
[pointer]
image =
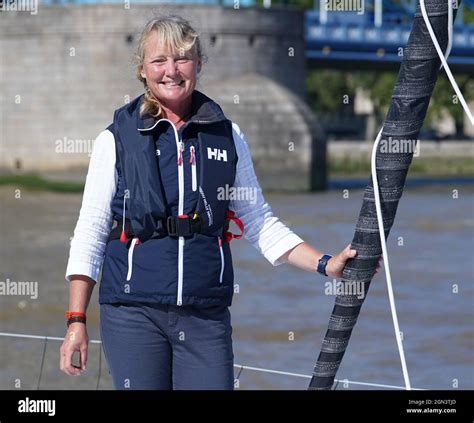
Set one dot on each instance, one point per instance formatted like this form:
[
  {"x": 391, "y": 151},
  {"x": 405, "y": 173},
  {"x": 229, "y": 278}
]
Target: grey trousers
[{"x": 168, "y": 347}]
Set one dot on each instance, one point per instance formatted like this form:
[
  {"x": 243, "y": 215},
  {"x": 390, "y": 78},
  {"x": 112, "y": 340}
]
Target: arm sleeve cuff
[
  {"x": 285, "y": 244},
  {"x": 79, "y": 268}
]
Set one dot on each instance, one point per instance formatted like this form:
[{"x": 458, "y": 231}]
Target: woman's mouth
[{"x": 172, "y": 83}]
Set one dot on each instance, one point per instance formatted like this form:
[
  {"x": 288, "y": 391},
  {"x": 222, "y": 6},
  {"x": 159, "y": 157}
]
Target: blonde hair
[{"x": 175, "y": 34}]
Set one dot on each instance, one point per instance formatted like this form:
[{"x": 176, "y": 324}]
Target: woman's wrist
[
  {"x": 80, "y": 292},
  {"x": 75, "y": 317}
]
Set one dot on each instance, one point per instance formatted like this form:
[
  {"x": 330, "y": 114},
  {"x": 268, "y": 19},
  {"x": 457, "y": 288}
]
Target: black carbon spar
[{"x": 410, "y": 99}]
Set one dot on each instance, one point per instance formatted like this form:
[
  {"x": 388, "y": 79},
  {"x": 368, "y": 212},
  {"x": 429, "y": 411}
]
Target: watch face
[{"x": 321, "y": 266}]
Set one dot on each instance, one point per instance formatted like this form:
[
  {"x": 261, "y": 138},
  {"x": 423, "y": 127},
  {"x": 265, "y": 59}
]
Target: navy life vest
[{"x": 169, "y": 201}]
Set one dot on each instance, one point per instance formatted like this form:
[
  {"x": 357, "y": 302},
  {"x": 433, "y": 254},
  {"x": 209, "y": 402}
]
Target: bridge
[
  {"x": 338, "y": 39},
  {"x": 374, "y": 39}
]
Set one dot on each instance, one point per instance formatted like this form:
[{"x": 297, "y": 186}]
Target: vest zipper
[
  {"x": 222, "y": 259},
  {"x": 179, "y": 146},
  {"x": 192, "y": 160}
]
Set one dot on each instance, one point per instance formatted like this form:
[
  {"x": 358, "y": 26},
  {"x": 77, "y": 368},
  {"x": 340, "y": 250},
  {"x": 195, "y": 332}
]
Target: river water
[{"x": 280, "y": 313}]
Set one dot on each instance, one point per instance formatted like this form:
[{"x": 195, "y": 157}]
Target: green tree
[
  {"x": 468, "y": 15},
  {"x": 307, "y": 4},
  {"x": 326, "y": 89},
  {"x": 444, "y": 98},
  {"x": 379, "y": 86}
]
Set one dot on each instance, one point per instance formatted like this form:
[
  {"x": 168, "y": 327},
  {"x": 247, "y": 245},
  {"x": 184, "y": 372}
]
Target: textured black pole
[{"x": 410, "y": 99}]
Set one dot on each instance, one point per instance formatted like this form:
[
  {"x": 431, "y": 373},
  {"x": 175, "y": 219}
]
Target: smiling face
[{"x": 170, "y": 75}]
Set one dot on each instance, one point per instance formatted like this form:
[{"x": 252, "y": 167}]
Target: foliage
[
  {"x": 37, "y": 183},
  {"x": 326, "y": 89}
]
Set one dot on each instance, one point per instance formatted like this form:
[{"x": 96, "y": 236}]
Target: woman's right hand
[{"x": 76, "y": 340}]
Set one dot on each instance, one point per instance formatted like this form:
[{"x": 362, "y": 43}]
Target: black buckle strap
[
  {"x": 182, "y": 225},
  {"x": 172, "y": 226}
]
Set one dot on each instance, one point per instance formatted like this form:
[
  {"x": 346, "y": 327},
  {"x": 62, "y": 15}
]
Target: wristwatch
[{"x": 322, "y": 263}]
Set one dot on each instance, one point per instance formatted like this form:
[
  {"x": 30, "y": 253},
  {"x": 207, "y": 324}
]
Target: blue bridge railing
[
  {"x": 242, "y": 3},
  {"x": 364, "y": 41}
]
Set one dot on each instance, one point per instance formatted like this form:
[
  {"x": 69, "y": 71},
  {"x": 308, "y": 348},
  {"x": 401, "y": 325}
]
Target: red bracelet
[{"x": 70, "y": 314}]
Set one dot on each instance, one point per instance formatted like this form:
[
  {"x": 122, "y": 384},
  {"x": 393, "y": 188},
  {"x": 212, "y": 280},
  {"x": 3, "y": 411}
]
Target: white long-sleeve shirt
[{"x": 262, "y": 229}]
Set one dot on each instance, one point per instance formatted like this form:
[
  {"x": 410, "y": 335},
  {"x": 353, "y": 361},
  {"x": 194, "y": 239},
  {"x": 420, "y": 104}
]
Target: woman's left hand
[{"x": 336, "y": 264}]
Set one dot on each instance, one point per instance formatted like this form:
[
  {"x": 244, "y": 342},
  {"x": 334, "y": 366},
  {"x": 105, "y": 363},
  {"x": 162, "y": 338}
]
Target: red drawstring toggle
[
  {"x": 191, "y": 159},
  {"x": 228, "y": 236},
  {"x": 123, "y": 238}
]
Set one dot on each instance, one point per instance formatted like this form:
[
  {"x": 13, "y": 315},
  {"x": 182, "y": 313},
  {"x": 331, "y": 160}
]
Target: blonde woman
[{"x": 152, "y": 217}]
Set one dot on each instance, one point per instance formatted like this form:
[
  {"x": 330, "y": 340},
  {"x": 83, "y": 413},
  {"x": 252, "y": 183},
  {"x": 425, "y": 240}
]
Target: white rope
[
  {"x": 442, "y": 58},
  {"x": 444, "y": 64},
  {"x": 240, "y": 366},
  {"x": 386, "y": 264},
  {"x": 450, "y": 31}
]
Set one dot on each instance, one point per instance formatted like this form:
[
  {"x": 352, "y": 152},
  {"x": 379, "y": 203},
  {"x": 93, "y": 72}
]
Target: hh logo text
[{"x": 216, "y": 154}]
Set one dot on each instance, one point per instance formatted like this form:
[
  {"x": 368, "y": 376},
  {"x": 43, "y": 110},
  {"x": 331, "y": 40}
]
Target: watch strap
[{"x": 322, "y": 263}]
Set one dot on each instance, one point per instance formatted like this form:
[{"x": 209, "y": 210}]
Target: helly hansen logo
[{"x": 216, "y": 154}]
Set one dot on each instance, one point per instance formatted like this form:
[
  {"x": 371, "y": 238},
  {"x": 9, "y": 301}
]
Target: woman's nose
[{"x": 171, "y": 67}]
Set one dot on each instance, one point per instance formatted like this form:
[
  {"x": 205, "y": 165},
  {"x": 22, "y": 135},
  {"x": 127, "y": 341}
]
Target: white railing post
[
  {"x": 323, "y": 13},
  {"x": 378, "y": 10}
]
